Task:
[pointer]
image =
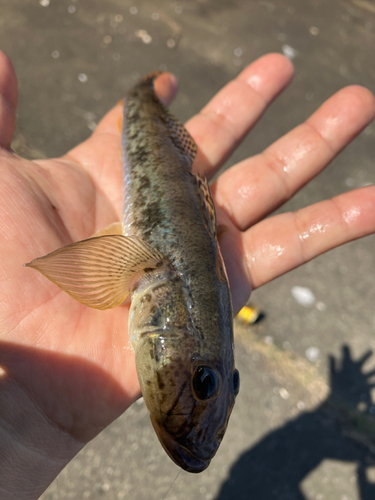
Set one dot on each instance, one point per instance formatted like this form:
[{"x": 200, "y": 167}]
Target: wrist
[{"x": 32, "y": 449}]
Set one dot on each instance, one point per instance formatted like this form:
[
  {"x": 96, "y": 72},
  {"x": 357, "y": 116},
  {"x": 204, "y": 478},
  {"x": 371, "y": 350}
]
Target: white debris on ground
[
  {"x": 312, "y": 354},
  {"x": 303, "y": 295},
  {"x": 288, "y": 51},
  {"x": 144, "y": 36}
]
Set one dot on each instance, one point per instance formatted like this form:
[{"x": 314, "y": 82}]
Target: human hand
[{"x": 74, "y": 364}]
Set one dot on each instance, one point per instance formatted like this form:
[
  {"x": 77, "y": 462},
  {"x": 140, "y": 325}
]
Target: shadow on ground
[{"x": 341, "y": 428}]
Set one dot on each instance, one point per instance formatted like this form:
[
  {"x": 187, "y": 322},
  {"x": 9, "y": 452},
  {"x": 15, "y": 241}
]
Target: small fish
[{"x": 165, "y": 254}]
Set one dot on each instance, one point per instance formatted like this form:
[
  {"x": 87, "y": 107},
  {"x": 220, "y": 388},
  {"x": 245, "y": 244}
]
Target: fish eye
[
  {"x": 236, "y": 382},
  {"x": 206, "y": 383}
]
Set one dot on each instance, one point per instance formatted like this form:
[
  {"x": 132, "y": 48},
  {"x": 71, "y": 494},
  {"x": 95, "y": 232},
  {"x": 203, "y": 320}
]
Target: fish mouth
[{"x": 180, "y": 455}]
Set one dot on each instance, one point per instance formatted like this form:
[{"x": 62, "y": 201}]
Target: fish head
[
  {"x": 190, "y": 421},
  {"x": 189, "y": 395}
]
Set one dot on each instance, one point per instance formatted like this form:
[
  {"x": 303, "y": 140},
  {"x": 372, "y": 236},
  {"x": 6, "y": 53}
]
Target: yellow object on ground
[{"x": 248, "y": 315}]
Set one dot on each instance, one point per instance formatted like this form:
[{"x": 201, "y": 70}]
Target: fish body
[{"x": 168, "y": 259}]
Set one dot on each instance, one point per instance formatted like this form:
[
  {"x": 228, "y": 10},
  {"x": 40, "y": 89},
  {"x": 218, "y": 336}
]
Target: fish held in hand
[{"x": 166, "y": 256}]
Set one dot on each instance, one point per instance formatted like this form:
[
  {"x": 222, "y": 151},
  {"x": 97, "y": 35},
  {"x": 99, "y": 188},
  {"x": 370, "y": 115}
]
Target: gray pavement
[{"x": 304, "y": 423}]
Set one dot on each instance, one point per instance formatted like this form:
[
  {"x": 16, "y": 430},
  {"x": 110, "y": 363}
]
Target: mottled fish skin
[{"x": 181, "y": 322}]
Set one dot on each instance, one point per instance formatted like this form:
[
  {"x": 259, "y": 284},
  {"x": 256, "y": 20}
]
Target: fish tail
[{"x": 150, "y": 78}]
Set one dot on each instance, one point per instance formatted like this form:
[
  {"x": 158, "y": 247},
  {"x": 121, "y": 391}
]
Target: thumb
[{"x": 8, "y": 100}]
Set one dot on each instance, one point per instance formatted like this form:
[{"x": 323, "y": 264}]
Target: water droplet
[
  {"x": 71, "y": 9},
  {"x": 178, "y": 9},
  {"x": 118, "y": 18},
  {"x": 238, "y": 52},
  {"x": 155, "y": 16},
  {"x": 321, "y": 306},
  {"x": 44, "y": 3},
  {"x": 313, "y": 30},
  {"x": 171, "y": 43},
  {"x": 55, "y": 54},
  {"x": 107, "y": 39},
  {"x": 133, "y": 11},
  {"x": 82, "y": 77}
]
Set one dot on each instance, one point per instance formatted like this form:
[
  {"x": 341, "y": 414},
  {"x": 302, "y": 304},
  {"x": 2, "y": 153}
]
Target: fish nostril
[
  {"x": 206, "y": 383},
  {"x": 236, "y": 382}
]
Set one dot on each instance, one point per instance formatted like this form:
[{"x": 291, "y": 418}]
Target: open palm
[{"x": 75, "y": 363}]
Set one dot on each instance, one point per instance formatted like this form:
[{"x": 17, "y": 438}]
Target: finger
[
  {"x": 8, "y": 100},
  {"x": 347, "y": 360},
  {"x": 362, "y": 360},
  {"x": 332, "y": 365},
  {"x": 257, "y": 186},
  {"x": 281, "y": 243},
  {"x": 228, "y": 117}
]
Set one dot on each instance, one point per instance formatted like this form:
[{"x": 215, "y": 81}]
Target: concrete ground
[{"x": 304, "y": 423}]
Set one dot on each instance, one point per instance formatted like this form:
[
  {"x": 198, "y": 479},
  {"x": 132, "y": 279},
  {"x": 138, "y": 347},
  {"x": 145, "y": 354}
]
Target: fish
[{"x": 165, "y": 255}]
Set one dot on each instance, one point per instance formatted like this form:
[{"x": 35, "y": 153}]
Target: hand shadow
[{"x": 277, "y": 465}]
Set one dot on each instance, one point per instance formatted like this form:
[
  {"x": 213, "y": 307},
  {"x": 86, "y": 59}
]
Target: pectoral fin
[
  {"x": 98, "y": 272},
  {"x": 114, "y": 228}
]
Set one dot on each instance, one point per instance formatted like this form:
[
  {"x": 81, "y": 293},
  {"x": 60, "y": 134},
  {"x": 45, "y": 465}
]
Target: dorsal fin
[
  {"x": 206, "y": 203},
  {"x": 180, "y": 136}
]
